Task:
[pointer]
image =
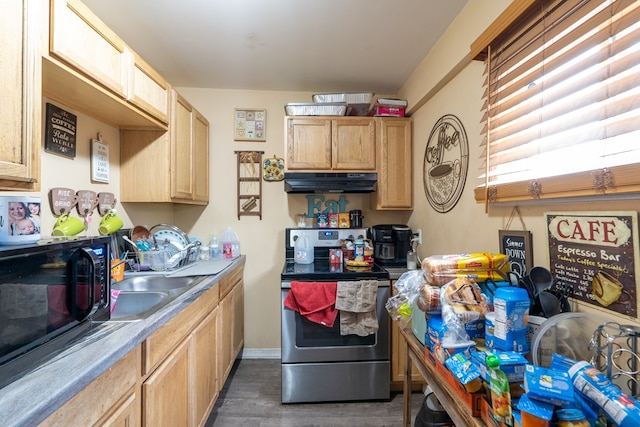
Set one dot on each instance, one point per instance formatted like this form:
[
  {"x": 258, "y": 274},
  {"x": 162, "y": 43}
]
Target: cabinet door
[
  {"x": 148, "y": 90},
  {"x": 203, "y": 368},
  {"x": 353, "y": 144},
  {"x": 308, "y": 144},
  {"x": 20, "y": 96},
  {"x": 125, "y": 415},
  {"x": 395, "y": 161},
  {"x": 225, "y": 337},
  {"x": 238, "y": 319},
  {"x": 181, "y": 148},
  {"x": 399, "y": 354},
  {"x": 201, "y": 157},
  {"x": 165, "y": 392},
  {"x": 82, "y": 40}
]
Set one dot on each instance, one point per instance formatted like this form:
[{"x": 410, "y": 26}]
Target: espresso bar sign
[
  {"x": 597, "y": 253},
  {"x": 61, "y": 132}
]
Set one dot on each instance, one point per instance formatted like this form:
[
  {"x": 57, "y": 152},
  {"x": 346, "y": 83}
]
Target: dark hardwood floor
[{"x": 251, "y": 398}]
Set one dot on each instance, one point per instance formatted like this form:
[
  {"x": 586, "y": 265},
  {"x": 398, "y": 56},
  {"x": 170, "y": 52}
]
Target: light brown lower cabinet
[
  {"x": 165, "y": 393},
  {"x": 231, "y": 321},
  {"x": 398, "y": 358},
  {"x": 174, "y": 377}
]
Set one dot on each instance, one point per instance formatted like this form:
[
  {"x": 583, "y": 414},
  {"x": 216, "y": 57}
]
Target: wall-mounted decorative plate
[
  {"x": 446, "y": 160},
  {"x": 273, "y": 169}
]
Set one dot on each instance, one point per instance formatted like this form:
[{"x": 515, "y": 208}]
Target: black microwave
[{"x": 51, "y": 293}]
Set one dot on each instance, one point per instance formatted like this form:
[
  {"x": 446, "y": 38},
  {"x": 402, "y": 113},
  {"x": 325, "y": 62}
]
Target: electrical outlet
[{"x": 419, "y": 233}]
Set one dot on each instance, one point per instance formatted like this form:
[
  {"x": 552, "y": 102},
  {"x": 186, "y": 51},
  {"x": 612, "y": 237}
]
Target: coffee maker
[{"x": 391, "y": 242}]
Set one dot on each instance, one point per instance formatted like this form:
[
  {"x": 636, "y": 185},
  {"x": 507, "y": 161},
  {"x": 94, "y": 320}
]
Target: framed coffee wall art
[
  {"x": 597, "y": 254},
  {"x": 250, "y": 124},
  {"x": 60, "y": 132},
  {"x": 518, "y": 247}
]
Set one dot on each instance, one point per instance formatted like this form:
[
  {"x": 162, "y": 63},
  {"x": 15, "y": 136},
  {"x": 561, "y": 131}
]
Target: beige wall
[
  {"x": 262, "y": 241},
  {"x": 446, "y": 82},
  {"x": 60, "y": 171}
]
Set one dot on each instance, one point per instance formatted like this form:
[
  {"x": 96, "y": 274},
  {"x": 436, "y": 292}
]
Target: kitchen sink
[
  {"x": 138, "y": 305},
  {"x": 154, "y": 283},
  {"x": 142, "y": 296}
]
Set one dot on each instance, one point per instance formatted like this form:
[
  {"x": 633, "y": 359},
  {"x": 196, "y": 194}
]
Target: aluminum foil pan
[
  {"x": 346, "y": 97},
  {"x": 309, "y": 109}
]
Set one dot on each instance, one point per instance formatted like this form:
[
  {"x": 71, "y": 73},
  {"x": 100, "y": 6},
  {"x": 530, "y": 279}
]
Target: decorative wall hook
[
  {"x": 602, "y": 180},
  {"x": 535, "y": 189},
  {"x": 62, "y": 200},
  {"x": 87, "y": 202}
]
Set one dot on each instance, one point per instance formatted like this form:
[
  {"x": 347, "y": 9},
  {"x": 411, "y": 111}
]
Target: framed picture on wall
[
  {"x": 250, "y": 124},
  {"x": 518, "y": 247}
]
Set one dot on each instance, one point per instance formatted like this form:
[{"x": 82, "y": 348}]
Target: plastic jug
[
  {"x": 230, "y": 244},
  {"x": 303, "y": 251}
]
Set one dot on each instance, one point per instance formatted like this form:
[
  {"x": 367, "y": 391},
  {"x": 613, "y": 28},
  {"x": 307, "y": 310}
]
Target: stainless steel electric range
[{"x": 319, "y": 362}]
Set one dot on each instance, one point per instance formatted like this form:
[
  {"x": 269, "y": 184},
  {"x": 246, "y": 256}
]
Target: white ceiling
[{"x": 297, "y": 45}]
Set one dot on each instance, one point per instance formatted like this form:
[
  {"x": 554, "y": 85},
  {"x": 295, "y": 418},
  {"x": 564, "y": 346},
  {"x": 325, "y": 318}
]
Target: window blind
[{"x": 562, "y": 99}]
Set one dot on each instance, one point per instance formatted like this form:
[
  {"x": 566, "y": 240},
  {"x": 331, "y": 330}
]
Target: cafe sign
[{"x": 596, "y": 253}]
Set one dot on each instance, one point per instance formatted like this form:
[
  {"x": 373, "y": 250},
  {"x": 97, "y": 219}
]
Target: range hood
[{"x": 324, "y": 182}]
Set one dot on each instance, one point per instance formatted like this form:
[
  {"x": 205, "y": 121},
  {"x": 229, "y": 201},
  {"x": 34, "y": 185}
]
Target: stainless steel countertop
[{"x": 35, "y": 396}]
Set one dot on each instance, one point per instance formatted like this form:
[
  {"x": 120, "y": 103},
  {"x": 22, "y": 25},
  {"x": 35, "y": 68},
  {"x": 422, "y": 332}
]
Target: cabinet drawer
[
  {"x": 166, "y": 339},
  {"x": 229, "y": 281},
  {"x": 85, "y": 409}
]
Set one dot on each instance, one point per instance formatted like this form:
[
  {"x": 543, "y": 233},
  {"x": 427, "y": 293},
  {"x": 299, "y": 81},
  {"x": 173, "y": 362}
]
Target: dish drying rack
[
  {"x": 163, "y": 247},
  {"x": 164, "y": 259}
]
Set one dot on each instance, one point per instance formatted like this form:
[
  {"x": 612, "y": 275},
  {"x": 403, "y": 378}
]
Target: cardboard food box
[
  {"x": 471, "y": 401},
  {"x": 388, "y": 111}
]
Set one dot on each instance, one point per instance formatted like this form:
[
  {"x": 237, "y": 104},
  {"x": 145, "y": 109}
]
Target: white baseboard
[{"x": 261, "y": 353}]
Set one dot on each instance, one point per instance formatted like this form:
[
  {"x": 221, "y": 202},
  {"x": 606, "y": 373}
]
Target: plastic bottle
[
  {"x": 597, "y": 388},
  {"x": 358, "y": 250},
  {"x": 230, "y": 244},
  {"x": 214, "y": 248},
  {"x": 204, "y": 254},
  {"x": 500, "y": 391},
  {"x": 303, "y": 251}
]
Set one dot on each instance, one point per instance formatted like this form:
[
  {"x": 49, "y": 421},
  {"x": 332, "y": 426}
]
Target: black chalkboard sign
[
  {"x": 61, "y": 132},
  {"x": 518, "y": 247}
]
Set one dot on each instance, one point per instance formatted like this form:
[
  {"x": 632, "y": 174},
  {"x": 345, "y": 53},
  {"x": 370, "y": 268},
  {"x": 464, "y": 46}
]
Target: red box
[
  {"x": 388, "y": 111},
  {"x": 471, "y": 400}
]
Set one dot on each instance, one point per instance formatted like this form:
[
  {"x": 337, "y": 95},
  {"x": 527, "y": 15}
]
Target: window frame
[{"x": 615, "y": 180}]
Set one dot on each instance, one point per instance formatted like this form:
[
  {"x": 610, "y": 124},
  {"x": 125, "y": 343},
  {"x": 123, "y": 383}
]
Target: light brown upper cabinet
[
  {"x": 89, "y": 68},
  {"x": 330, "y": 144},
  {"x": 20, "y": 96},
  {"x": 189, "y": 152},
  {"x": 158, "y": 166},
  {"x": 394, "y": 190},
  {"x": 381, "y": 144},
  {"x": 148, "y": 90}
]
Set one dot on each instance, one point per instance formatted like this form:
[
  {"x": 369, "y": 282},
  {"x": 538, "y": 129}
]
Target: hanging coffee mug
[
  {"x": 110, "y": 223},
  {"x": 68, "y": 225}
]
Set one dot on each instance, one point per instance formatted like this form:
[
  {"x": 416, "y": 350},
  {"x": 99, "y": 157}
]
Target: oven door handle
[{"x": 82, "y": 302}]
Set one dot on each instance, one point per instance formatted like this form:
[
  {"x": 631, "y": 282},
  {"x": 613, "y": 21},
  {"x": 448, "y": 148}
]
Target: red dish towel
[{"x": 314, "y": 300}]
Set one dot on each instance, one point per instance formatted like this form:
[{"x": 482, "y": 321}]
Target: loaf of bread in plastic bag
[{"x": 441, "y": 269}]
